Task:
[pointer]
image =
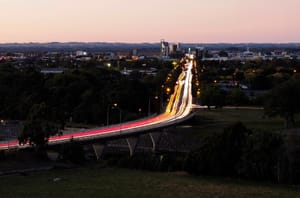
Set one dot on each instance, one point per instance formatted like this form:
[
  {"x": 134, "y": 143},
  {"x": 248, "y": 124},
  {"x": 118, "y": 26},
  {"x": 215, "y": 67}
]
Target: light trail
[{"x": 178, "y": 109}]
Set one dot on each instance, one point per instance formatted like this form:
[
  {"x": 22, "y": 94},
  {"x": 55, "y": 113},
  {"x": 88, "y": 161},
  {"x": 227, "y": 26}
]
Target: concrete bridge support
[
  {"x": 132, "y": 144},
  {"x": 98, "y": 149},
  {"x": 53, "y": 155},
  {"x": 155, "y": 138}
]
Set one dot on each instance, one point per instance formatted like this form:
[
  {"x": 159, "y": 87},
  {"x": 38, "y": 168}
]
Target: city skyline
[{"x": 133, "y": 21}]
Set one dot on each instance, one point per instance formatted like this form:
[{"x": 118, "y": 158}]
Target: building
[
  {"x": 164, "y": 49},
  {"x": 200, "y": 52},
  {"x": 81, "y": 53},
  {"x": 172, "y": 48},
  {"x": 178, "y": 47}
]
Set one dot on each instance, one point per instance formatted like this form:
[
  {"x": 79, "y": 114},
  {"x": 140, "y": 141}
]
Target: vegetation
[
  {"x": 212, "y": 95},
  {"x": 72, "y": 152},
  {"x": 243, "y": 153},
  {"x": 38, "y": 127},
  {"x": 81, "y": 95},
  {"x": 279, "y": 79},
  {"x": 84, "y": 95},
  {"x": 256, "y": 74},
  {"x": 95, "y": 182},
  {"x": 283, "y": 100}
]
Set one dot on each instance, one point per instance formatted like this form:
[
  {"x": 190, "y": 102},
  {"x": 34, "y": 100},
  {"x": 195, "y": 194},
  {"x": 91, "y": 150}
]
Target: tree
[
  {"x": 262, "y": 156},
  {"x": 38, "y": 127},
  {"x": 237, "y": 97},
  {"x": 223, "y": 53},
  {"x": 240, "y": 152},
  {"x": 219, "y": 154},
  {"x": 73, "y": 152},
  {"x": 212, "y": 95},
  {"x": 283, "y": 100}
]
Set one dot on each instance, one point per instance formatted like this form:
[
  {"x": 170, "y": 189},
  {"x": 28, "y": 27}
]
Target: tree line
[
  {"x": 243, "y": 153},
  {"x": 47, "y": 102},
  {"x": 272, "y": 84}
]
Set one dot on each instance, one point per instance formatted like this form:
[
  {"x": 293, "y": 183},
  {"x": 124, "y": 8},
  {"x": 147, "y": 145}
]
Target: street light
[
  {"x": 120, "y": 115},
  {"x": 115, "y": 106},
  {"x": 168, "y": 90},
  {"x": 149, "y": 104},
  {"x": 107, "y": 112},
  {"x": 107, "y": 115},
  {"x": 7, "y": 130},
  {"x": 161, "y": 98}
]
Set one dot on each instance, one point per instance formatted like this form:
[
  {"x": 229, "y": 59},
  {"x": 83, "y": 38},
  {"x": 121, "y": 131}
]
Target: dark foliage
[
  {"x": 219, "y": 154},
  {"x": 212, "y": 95},
  {"x": 262, "y": 155},
  {"x": 283, "y": 100},
  {"x": 73, "y": 152},
  {"x": 239, "y": 152},
  {"x": 80, "y": 95},
  {"x": 38, "y": 127}
]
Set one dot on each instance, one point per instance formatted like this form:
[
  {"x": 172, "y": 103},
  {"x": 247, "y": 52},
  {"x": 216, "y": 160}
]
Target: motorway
[{"x": 178, "y": 109}]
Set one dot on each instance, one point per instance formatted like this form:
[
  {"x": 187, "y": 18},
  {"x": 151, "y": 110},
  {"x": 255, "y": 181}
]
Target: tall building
[
  {"x": 172, "y": 48},
  {"x": 164, "y": 49},
  {"x": 178, "y": 47},
  {"x": 134, "y": 52},
  {"x": 200, "y": 52}
]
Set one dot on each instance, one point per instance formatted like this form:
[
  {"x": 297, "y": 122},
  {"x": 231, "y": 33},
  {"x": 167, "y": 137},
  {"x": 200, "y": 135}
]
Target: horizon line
[{"x": 121, "y": 42}]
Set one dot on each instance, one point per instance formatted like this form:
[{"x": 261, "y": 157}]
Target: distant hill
[
  {"x": 103, "y": 46},
  {"x": 73, "y": 46}
]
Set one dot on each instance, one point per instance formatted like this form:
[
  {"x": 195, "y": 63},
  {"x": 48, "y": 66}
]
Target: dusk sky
[{"x": 207, "y": 21}]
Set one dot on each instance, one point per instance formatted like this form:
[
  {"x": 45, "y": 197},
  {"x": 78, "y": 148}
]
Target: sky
[{"x": 136, "y": 21}]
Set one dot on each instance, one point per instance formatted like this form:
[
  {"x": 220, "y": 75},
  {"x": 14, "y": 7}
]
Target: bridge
[{"x": 178, "y": 109}]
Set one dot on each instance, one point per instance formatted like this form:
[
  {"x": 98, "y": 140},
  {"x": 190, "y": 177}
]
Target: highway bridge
[{"x": 179, "y": 109}]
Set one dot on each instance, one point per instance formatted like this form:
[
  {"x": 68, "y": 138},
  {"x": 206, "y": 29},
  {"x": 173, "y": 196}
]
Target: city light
[{"x": 168, "y": 90}]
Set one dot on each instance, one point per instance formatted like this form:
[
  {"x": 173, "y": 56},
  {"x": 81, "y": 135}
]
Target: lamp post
[
  {"x": 156, "y": 98},
  {"x": 2, "y": 122},
  {"x": 149, "y": 104},
  {"x": 120, "y": 115},
  {"x": 161, "y": 98},
  {"x": 115, "y": 106},
  {"x": 7, "y": 130},
  {"x": 107, "y": 115}
]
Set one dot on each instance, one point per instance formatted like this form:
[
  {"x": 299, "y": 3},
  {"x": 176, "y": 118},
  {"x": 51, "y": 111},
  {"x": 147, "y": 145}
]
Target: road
[{"x": 178, "y": 109}]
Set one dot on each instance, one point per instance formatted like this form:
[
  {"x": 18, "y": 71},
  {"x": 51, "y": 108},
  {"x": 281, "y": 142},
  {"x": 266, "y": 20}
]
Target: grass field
[
  {"x": 216, "y": 120},
  {"x": 97, "y": 182}
]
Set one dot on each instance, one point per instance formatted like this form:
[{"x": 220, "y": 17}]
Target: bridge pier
[
  {"x": 98, "y": 149},
  {"x": 132, "y": 144},
  {"x": 53, "y": 155},
  {"x": 155, "y": 138}
]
